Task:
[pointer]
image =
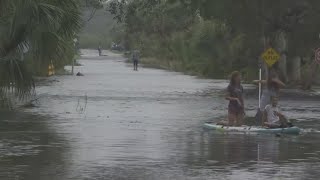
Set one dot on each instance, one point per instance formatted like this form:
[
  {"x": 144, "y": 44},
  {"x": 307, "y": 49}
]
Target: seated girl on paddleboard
[
  {"x": 273, "y": 117},
  {"x": 271, "y": 88},
  {"x": 236, "y": 103}
]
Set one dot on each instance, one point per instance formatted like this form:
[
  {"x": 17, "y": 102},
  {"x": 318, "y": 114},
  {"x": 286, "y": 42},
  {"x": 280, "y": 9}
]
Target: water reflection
[
  {"x": 288, "y": 157},
  {"x": 28, "y": 148}
]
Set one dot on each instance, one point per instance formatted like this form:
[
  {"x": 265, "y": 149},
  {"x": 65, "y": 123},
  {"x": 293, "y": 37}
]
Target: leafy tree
[
  {"x": 296, "y": 20},
  {"x": 35, "y": 32},
  {"x": 290, "y": 26},
  {"x": 91, "y": 7}
]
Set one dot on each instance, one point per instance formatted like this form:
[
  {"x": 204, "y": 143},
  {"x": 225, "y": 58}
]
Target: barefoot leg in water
[
  {"x": 232, "y": 119},
  {"x": 239, "y": 119}
]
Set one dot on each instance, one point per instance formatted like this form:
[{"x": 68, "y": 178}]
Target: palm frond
[{"x": 40, "y": 31}]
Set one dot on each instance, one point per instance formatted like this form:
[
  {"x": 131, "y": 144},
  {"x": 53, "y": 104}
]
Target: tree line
[{"x": 213, "y": 37}]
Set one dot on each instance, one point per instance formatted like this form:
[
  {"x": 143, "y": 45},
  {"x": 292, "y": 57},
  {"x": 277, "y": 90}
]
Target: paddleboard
[{"x": 252, "y": 129}]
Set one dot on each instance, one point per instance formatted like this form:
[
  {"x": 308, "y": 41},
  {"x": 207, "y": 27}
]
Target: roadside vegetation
[
  {"x": 34, "y": 34},
  {"x": 211, "y": 38},
  {"x": 208, "y": 38}
]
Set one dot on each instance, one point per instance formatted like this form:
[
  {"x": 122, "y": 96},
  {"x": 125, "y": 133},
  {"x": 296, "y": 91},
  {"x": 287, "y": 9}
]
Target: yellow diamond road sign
[{"x": 270, "y": 56}]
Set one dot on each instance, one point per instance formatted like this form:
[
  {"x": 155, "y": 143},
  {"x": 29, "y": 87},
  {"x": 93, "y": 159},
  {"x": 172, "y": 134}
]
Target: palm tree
[{"x": 35, "y": 32}]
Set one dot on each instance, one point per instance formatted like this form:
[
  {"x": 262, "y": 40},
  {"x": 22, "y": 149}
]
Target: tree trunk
[
  {"x": 311, "y": 76},
  {"x": 282, "y": 46},
  {"x": 264, "y": 66},
  {"x": 296, "y": 69},
  {"x": 283, "y": 67}
]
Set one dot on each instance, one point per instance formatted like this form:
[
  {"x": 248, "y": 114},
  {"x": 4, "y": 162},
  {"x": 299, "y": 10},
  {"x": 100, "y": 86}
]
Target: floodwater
[{"x": 115, "y": 123}]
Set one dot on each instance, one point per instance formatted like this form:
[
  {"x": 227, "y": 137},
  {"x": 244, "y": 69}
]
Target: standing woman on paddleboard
[
  {"x": 271, "y": 88},
  {"x": 235, "y": 97}
]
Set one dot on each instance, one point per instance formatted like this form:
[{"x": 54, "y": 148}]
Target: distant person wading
[
  {"x": 100, "y": 51},
  {"x": 135, "y": 59}
]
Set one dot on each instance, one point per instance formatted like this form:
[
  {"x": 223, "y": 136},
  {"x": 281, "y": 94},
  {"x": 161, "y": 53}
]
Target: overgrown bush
[{"x": 207, "y": 49}]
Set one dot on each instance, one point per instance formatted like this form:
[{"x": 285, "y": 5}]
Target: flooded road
[{"x": 115, "y": 123}]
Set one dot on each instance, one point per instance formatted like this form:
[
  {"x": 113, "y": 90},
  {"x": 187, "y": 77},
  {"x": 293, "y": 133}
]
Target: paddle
[{"x": 259, "y": 113}]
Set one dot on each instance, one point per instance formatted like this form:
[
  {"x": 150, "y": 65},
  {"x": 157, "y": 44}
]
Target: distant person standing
[
  {"x": 236, "y": 103},
  {"x": 100, "y": 50},
  {"x": 135, "y": 59}
]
